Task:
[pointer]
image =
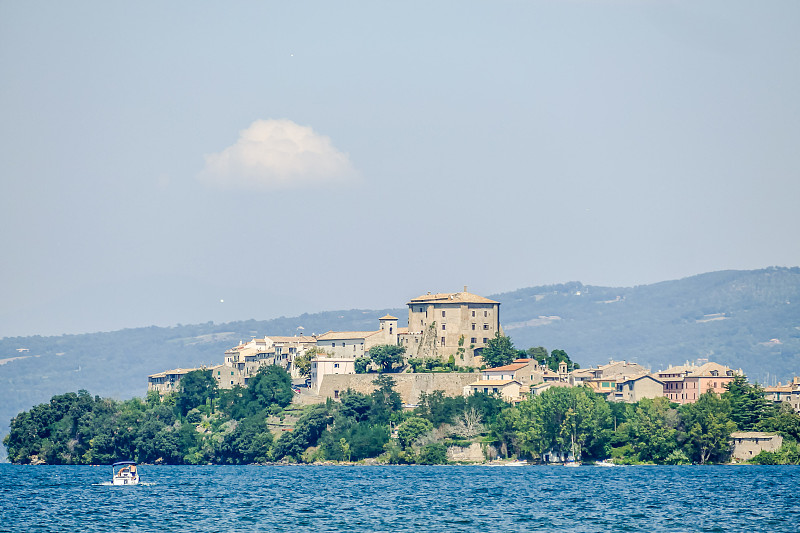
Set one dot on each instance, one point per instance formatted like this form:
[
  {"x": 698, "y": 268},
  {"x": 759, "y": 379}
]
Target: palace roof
[{"x": 452, "y": 297}]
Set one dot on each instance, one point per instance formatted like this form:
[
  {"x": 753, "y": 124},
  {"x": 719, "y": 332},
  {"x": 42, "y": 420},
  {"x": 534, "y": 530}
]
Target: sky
[{"x": 168, "y": 163}]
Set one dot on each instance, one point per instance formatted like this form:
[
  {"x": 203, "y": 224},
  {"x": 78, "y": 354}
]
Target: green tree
[
  {"x": 361, "y": 364},
  {"x": 748, "y": 405},
  {"x": 433, "y": 454},
  {"x": 538, "y": 353},
  {"x": 651, "y": 429},
  {"x": 306, "y": 433},
  {"x": 438, "y": 408},
  {"x": 271, "y": 385},
  {"x": 302, "y": 362},
  {"x": 707, "y": 428},
  {"x": 411, "y": 429},
  {"x": 249, "y": 442},
  {"x": 355, "y": 405},
  {"x": 385, "y": 400},
  {"x": 784, "y": 421},
  {"x": 564, "y": 420},
  {"x": 387, "y": 355},
  {"x": 194, "y": 389},
  {"x": 499, "y": 351}
]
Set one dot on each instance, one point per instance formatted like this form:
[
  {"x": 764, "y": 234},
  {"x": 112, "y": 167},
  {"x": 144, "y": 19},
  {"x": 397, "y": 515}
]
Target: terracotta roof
[
  {"x": 452, "y": 297},
  {"x": 301, "y": 339},
  {"x": 513, "y": 367},
  {"x": 339, "y": 335},
  {"x": 707, "y": 368},
  {"x": 166, "y": 373},
  {"x": 388, "y": 317},
  {"x": 789, "y": 387}
]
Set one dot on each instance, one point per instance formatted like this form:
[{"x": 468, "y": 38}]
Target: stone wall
[
  {"x": 410, "y": 386},
  {"x": 471, "y": 454}
]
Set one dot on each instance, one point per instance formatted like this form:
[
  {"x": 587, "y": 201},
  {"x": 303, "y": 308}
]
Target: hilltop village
[{"x": 454, "y": 328}]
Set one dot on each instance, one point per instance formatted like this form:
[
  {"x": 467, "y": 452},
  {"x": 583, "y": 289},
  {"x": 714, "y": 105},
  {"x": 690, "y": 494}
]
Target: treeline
[
  {"x": 574, "y": 420},
  {"x": 199, "y": 424}
]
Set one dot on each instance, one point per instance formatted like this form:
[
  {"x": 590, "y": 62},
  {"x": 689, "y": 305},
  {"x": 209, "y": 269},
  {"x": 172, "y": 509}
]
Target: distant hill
[{"x": 745, "y": 319}]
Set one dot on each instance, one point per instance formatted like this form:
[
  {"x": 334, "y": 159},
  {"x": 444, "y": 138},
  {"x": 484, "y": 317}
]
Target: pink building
[{"x": 685, "y": 383}]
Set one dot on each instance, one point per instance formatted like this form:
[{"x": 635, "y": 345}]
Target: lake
[{"x": 402, "y": 498}]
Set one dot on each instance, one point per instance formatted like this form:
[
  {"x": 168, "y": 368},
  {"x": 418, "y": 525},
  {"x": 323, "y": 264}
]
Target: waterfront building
[{"x": 747, "y": 444}]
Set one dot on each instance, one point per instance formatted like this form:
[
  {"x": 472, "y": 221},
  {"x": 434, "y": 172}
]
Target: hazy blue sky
[{"x": 158, "y": 158}]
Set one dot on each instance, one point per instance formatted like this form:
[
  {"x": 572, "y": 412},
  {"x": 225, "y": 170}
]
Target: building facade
[{"x": 458, "y": 324}]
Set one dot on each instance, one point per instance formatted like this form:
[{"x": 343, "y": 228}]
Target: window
[
  {"x": 333, "y": 345},
  {"x": 473, "y": 313},
  {"x": 486, "y": 326},
  {"x": 442, "y": 341},
  {"x": 473, "y": 326},
  {"x": 335, "y": 365},
  {"x": 486, "y": 313},
  {"x": 485, "y": 340},
  {"x": 473, "y": 340},
  {"x": 335, "y": 393},
  {"x": 443, "y": 327},
  {"x": 443, "y": 313}
]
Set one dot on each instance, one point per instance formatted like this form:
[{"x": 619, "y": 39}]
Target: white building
[{"x": 323, "y": 366}]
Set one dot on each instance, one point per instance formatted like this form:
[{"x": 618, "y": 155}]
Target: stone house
[
  {"x": 526, "y": 371},
  {"x": 631, "y": 390},
  {"x": 748, "y": 444},
  {"x": 508, "y": 389}
]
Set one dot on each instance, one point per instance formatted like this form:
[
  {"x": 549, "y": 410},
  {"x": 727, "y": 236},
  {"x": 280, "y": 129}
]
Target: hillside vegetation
[{"x": 745, "y": 319}]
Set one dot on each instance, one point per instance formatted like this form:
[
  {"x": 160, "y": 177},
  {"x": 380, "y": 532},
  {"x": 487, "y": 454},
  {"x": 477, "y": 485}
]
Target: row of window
[
  {"x": 444, "y": 313},
  {"x": 472, "y": 340},
  {"x": 485, "y": 326}
]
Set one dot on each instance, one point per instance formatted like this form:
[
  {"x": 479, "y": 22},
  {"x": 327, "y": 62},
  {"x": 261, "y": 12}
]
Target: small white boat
[
  {"x": 516, "y": 463},
  {"x": 125, "y": 473},
  {"x": 572, "y": 462},
  {"x": 604, "y": 463}
]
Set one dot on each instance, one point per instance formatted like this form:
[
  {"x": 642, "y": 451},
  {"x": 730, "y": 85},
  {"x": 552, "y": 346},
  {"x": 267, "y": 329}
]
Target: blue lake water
[{"x": 402, "y": 498}]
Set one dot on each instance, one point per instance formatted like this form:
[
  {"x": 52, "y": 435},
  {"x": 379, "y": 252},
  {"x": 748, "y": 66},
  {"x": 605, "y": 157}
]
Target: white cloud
[{"x": 278, "y": 154}]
